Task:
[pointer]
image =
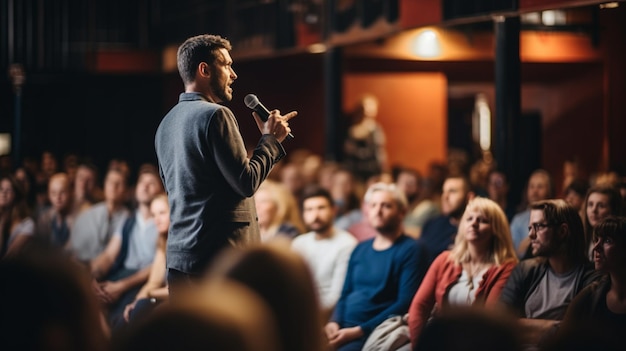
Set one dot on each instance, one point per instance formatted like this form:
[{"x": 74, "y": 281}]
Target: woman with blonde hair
[
  {"x": 472, "y": 273},
  {"x": 277, "y": 210}
]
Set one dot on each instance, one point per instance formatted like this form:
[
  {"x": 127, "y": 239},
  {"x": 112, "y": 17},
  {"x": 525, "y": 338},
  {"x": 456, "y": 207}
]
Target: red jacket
[{"x": 441, "y": 276}]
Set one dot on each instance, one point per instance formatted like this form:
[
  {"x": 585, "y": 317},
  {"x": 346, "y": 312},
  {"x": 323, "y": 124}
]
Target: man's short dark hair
[
  {"x": 201, "y": 48},
  {"x": 316, "y": 191}
]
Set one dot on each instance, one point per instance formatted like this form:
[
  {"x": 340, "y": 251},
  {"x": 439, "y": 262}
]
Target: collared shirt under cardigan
[{"x": 441, "y": 276}]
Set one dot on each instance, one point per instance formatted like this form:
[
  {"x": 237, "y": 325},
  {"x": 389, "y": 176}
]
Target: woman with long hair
[
  {"x": 601, "y": 202},
  {"x": 473, "y": 272},
  {"x": 16, "y": 225}
]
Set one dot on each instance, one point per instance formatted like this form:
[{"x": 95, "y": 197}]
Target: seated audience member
[
  {"x": 362, "y": 230},
  {"x": 154, "y": 291},
  {"x": 325, "y": 248},
  {"x": 540, "y": 289},
  {"x": 438, "y": 233},
  {"x": 277, "y": 211},
  {"x": 46, "y": 303},
  {"x": 216, "y": 315},
  {"x": 344, "y": 191},
  {"x": 383, "y": 272},
  {"x": 94, "y": 227},
  {"x": 55, "y": 224},
  {"x": 473, "y": 273},
  {"x": 602, "y": 303},
  {"x": 469, "y": 329},
  {"x": 284, "y": 282},
  {"x": 125, "y": 264},
  {"x": 498, "y": 191},
  {"x": 601, "y": 202},
  {"x": 574, "y": 194},
  {"x": 421, "y": 208},
  {"x": 539, "y": 188},
  {"x": 16, "y": 226},
  {"x": 86, "y": 190}
]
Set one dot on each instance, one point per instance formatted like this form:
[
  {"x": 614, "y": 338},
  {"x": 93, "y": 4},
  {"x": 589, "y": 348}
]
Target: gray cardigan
[{"x": 209, "y": 180}]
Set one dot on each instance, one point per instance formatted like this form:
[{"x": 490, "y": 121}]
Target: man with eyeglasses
[{"x": 540, "y": 288}]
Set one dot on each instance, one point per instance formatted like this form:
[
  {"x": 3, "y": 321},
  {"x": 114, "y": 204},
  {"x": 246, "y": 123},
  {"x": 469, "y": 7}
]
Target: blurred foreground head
[
  {"x": 218, "y": 315},
  {"x": 46, "y": 303}
]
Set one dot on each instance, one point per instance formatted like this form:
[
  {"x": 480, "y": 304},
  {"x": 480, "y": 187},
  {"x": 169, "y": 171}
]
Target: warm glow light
[
  {"x": 5, "y": 144},
  {"x": 553, "y": 17},
  {"x": 426, "y": 44},
  {"x": 609, "y": 5},
  {"x": 317, "y": 48},
  {"x": 482, "y": 122}
]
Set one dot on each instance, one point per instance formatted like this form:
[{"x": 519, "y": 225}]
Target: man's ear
[{"x": 203, "y": 70}]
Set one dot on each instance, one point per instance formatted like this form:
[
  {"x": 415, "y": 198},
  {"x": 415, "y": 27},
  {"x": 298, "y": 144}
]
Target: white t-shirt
[{"x": 328, "y": 260}]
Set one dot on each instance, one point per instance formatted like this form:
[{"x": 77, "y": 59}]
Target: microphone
[{"x": 255, "y": 105}]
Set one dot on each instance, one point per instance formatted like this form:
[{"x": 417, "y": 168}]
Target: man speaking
[{"x": 204, "y": 165}]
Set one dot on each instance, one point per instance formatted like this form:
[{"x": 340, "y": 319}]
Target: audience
[
  {"x": 539, "y": 188},
  {"x": 154, "y": 291},
  {"x": 344, "y": 189},
  {"x": 218, "y": 315},
  {"x": 322, "y": 289},
  {"x": 16, "y": 226},
  {"x": 601, "y": 202},
  {"x": 498, "y": 191},
  {"x": 46, "y": 304},
  {"x": 439, "y": 232},
  {"x": 540, "y": 289},
  {"x": 277, "y": 211},
  {"x": 600, "y": 308},
  {"x": 326, "y": 249},
  {"x": 54, "y": 225},
  {"x": 574, "y": 194},
  {"x": 421, "y": 208},
  {"x": 383, "y": 272},
  {"x": 94, "y": 227},
  {"x": 284, "y": 282},
  {"x": 124, "y": 266},
  {"x": 473, "y": 273},
  {"x": 86, "y": 190}
]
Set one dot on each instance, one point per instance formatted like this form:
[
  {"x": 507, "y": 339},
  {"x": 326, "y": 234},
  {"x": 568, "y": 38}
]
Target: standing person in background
[
  {"x": 204, "y": 163},
  {"x": 364, "y": 147}
]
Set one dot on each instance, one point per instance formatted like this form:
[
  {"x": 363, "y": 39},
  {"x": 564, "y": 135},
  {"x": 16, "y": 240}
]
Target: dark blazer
[{"x": 209, "y": 180}]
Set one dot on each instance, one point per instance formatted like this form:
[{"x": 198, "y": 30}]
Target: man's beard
[
  {"x": 320, "y": 227},
  {"x": 218, "y": 89}
]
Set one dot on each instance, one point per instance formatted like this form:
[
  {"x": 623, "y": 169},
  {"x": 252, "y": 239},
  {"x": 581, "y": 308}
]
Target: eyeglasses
[{"x": 539, "y": 226}]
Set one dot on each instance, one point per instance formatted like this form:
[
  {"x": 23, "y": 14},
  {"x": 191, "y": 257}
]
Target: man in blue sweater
[{"x": 383, "y": 273}]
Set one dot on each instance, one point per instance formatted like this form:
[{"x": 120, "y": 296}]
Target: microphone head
[{"x": 251, "y": 101}]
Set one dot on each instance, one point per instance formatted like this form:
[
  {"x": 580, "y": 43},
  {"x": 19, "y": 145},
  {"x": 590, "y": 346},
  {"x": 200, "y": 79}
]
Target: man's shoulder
[{"x": 344, "y": 237}]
